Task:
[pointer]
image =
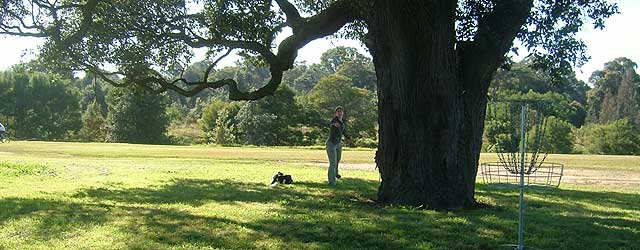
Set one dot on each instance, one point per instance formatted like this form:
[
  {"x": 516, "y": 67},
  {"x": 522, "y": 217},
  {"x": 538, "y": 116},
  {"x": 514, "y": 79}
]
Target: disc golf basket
[
  {"x": 515, "y": 131},
  {"x": 520, "y": 142}
]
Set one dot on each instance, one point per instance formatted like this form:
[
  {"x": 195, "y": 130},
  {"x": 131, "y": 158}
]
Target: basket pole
[{"x": 523, "y": 127}]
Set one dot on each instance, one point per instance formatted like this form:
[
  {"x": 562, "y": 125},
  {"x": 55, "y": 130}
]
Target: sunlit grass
[{"x": 121, "y": 196}]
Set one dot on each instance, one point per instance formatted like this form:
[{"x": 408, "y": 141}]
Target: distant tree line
[
  {"x": 600, "y": 118},
  {"x": 603, "y": 119},
  {"x": 298, "y": 112},
  {"x": 40, "y": 104}
]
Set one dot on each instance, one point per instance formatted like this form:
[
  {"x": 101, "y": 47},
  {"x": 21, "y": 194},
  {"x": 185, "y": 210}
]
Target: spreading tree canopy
[
  {"x": 147, "y": 40},
  {"x": 433, "y": 59}
]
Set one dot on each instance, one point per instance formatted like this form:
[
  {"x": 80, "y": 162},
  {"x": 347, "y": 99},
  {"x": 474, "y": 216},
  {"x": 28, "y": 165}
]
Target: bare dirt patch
[
  {"x": 601, "y": 177},
  {"x": 579, "y": 176}
]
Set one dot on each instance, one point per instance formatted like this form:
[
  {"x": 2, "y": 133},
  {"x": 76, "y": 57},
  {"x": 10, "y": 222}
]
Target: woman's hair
[{"x": 339, "y": 107}]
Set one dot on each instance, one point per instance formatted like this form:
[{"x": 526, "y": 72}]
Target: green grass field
[{"x": 121, "y": 196}]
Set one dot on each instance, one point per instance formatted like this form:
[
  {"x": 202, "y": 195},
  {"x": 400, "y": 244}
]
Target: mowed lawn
[{"x": 122, "y": 196}]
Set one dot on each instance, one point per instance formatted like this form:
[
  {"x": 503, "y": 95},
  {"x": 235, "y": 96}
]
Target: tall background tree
[
  {"x": 433, "y": 60},
  {"x": 613, "y": 110},
  {"x": 338, "y": 90},
  {"x": 136, "y": 116},
  {"x": 614, "y": 95},
  {"x": 43, "y": 106},
  {"x": 349, "y": 62},
  {"x": 272, "y": 120},
  {"x": 94, "y": 125}
]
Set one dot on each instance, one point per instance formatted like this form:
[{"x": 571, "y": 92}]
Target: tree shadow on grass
[
  {"x": 311, "y": 215},
  {"x": 193, "y": 192},
  {"x": 572, "y": 219},
  {"x": 47, "y": 219}
]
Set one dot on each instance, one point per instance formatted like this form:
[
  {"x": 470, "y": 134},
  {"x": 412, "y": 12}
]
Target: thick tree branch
[
  {"x": 496, "y": 32},
  {"x": 164, "y": 85},
  {"x": 293, "y": 15},
  {"x": 36, "y": 29},
  {"x": 195, "y": 41},
  {"x": 21, "y": 33},
  {"x": 208, "y": 71},
  {"x": 21, "y": 29},
  {"x": 275, "y": 31},
  {"x": 155, "y": 78},
  {"x": 87, "y": 10},
  {"x": 145, "y": 82},
  {"x": 321, "y": 25},
  {"x": 325, "y": 23}
]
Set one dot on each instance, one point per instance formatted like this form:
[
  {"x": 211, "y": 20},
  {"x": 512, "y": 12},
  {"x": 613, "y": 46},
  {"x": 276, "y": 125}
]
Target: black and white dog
[{"x": 281, "y": 178}]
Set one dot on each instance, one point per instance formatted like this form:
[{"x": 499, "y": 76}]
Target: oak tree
[{"x": 433, "y": 59}]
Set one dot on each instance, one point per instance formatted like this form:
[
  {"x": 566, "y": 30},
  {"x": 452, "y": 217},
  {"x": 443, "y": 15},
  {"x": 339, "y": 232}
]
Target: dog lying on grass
[{"x": 281, "y": 178}]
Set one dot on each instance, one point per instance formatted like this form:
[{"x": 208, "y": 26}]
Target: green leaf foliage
[
  {"x": 136, "y": 116},
  {"x": 615, "y": 93},
  {"x": 555, "y": 104},
  {"x": 550, "y": 32},
  {"x": 359, "y": 104},
  {"x": 42, "y": 106},
  {"x": 218, "y": 121},
  {"x": 619, "y": 137},
  {"x": 303, "y": 77},
  {"x": 349, "y": 62},
  {"x": 557, "y": 138},
  {"x": 273, "y": 120},
  {"x": 94, "y": 124}
]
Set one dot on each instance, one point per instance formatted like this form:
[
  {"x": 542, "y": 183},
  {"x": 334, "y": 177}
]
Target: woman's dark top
[{"x": 336, "y": 133}]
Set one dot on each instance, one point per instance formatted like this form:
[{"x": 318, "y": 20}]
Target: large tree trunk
[{"x": 430, "y": 126}]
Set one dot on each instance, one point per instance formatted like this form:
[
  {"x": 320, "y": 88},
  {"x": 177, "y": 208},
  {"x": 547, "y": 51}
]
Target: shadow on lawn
[
  {"x": 48, "y": 219},
  {"x": 573, "y": 219},
  {"x": 313, "y": 215}
]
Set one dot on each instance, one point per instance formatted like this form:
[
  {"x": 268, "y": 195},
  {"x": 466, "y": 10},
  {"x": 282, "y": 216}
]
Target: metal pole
[{"x": 523, "y": 116}]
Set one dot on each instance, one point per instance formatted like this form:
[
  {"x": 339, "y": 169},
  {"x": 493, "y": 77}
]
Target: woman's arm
[{"x": 335, "y": 123}]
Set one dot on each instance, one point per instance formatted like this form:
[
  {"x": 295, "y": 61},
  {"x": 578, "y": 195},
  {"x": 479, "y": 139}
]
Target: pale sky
[{"x": 619, "y": 38}]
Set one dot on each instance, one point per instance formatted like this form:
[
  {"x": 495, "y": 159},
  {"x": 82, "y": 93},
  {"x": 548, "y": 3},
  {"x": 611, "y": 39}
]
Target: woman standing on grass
[{"x": 338, "y": 127}]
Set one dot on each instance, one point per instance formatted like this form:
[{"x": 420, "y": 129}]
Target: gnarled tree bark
[{"x": 432, "y": 96}]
